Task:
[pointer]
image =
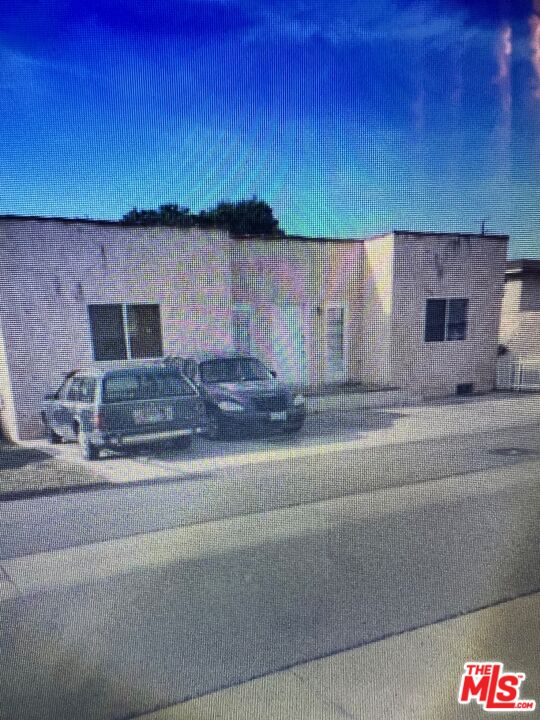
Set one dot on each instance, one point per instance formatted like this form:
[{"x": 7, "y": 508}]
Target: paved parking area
[
  {"x": 31, "y": 469},
  {"x": 321, "y": 429},
  {"x": 325, "y": 432}
]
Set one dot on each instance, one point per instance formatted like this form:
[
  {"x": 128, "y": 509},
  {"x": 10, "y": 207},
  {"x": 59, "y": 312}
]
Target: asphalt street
[
  {"x": 50, "y": 523},
  {"x": 123, "y": 600},
  {"x": 117, "y": 629}
]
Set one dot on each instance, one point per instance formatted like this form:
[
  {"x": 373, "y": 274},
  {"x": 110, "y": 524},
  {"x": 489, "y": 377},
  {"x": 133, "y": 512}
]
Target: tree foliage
[{"x": 246, "y": 217}]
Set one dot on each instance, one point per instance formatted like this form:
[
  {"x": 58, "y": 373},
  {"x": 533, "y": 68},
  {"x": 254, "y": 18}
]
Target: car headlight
[
  {"x": 299, "y": 400},
  {"x": 230, "y": 406}
]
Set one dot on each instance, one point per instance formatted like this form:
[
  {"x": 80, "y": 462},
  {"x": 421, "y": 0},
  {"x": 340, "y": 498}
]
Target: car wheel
[
  {"x": 89, "y": 450},
  {"x": 214, "y": 428},
  {"x": 53, "y": 437},
  {"x": 292, "y": 429},
  {"x": 183, "y": 442}
]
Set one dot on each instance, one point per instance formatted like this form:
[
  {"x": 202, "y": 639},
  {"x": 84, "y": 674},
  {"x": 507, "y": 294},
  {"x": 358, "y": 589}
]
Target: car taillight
[{"x": 98, "y": 420}]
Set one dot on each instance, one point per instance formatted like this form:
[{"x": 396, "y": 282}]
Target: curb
[{"x": 358, "y": 401}]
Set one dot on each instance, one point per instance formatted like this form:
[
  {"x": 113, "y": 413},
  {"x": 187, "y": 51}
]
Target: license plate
[
  {"x": 151, "y": 417},
  {"x": 278, "y": 415}
]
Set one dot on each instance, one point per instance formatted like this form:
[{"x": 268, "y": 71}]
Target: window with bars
[
  {"x": 446, "y": 319},
  {"x": 125, "y": 332}
]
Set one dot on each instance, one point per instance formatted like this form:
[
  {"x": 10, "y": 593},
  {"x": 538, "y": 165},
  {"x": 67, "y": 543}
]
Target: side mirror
[{"x": 273, "y": 373}]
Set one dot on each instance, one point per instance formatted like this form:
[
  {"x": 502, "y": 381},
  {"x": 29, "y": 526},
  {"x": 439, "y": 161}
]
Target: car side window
[
  {"x": 74, "y": 390},
  {"x": 87, "y": 390},
  {"x": 64, "y": 389}
]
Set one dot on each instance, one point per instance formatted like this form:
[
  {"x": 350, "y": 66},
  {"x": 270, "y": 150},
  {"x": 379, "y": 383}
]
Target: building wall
[
  {"x": 270, "y": 275},
  {"x": 470, "y": 267},
  {"x": 530, "y": 293},
  {"x": 53, "y": 270},
  {"x": 374, "y": 363},
  {"x": 8, "y": 420},
  {"x": 520, "y": 317}
]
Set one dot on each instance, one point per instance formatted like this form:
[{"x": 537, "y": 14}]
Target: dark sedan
[{"x": 243, "y": 395}]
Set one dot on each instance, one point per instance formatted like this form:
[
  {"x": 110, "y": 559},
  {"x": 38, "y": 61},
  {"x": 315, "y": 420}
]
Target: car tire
[
  {"x": 88, "y": 450},
  {"x": 183, "y": 442},
  {"x": 53, "y": 437},
  {"x": 293, "y": 429},
  {"x": 214, "y": 429}
]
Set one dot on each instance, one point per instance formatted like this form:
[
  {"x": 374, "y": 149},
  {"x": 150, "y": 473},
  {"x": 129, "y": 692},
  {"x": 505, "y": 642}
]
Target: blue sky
[{"x": 349, "y": 118}]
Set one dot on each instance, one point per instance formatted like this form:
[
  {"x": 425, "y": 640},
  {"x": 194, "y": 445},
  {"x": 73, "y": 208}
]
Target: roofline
[
  {"x": 45, "y": 218},
  {"x": 523, "y": 266},
  {"x": 421, "y": 233},
  {"x": 109, "y": 223},
  {"x": 248, "y": 238},
  {"x": 293, "y": 238}
]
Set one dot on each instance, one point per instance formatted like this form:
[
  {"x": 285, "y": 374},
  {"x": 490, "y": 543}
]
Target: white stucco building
[{"x": 403, "y": 309}]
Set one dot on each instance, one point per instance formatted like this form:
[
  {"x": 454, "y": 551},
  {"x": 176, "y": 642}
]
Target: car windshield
[
  {"x": 144, "y": 385},
  {"x": 233, "y": 370}
]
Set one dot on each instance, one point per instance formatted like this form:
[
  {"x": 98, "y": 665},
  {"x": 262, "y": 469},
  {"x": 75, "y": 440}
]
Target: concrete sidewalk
[{"x": 411, "y": 676}]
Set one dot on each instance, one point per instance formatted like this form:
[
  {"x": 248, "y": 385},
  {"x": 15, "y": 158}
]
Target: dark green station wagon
[{"x": 119, "y": 407}]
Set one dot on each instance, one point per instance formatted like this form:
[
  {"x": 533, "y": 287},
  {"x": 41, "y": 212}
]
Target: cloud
[{"x": 355, "y": 22}]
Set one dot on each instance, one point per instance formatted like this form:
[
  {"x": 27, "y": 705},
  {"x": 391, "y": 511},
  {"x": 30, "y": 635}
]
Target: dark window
[
  {"x": 168, "y": 384},
  {"x": 456, "y": 328},
  {"x": 435, "y": 319},
  {"x": 145, "y": 385},
  {"x": 107, "y": 328},
  {"x": 82, "y": 389},
  {"x": 88, "y": 389},
  {"x": 121, "y": 387},
  {"x": 233, "y": 370},
  {"x": 115, "y": 339},
  {"x": 64, "y": 389},
  {"x": 446, "y": 319},
  {"x": 74, "y": 390},
  {"x": 144, "y": 331}
]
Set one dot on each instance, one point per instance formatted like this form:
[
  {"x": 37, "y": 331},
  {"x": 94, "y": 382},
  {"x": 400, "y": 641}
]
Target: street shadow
[
  {"x": 221, "y": 614},
  {"x": 364, "y": 420},
  {"x": 14, "y": 458}
]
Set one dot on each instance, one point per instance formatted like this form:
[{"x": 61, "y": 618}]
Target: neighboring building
[
  {"x": 520, "y": 316},
  {"x": 414, "y": 310}
]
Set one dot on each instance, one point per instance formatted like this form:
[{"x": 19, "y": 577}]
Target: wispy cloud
[
  {"x": 534, "y": 23},
  {"x": 504, "y": 55},
  {"x": 355, "y": 22}
]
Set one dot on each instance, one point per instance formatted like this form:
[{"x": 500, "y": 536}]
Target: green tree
[
  {"x": 171, "y": 215},
  {"x": 246, "y": 217}
]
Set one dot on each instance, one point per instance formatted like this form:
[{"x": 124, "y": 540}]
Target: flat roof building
[{"x": 406, "y": 309}]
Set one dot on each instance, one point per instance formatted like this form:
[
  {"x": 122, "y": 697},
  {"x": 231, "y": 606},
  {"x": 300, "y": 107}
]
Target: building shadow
[{"x": 15, "y": 458}]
